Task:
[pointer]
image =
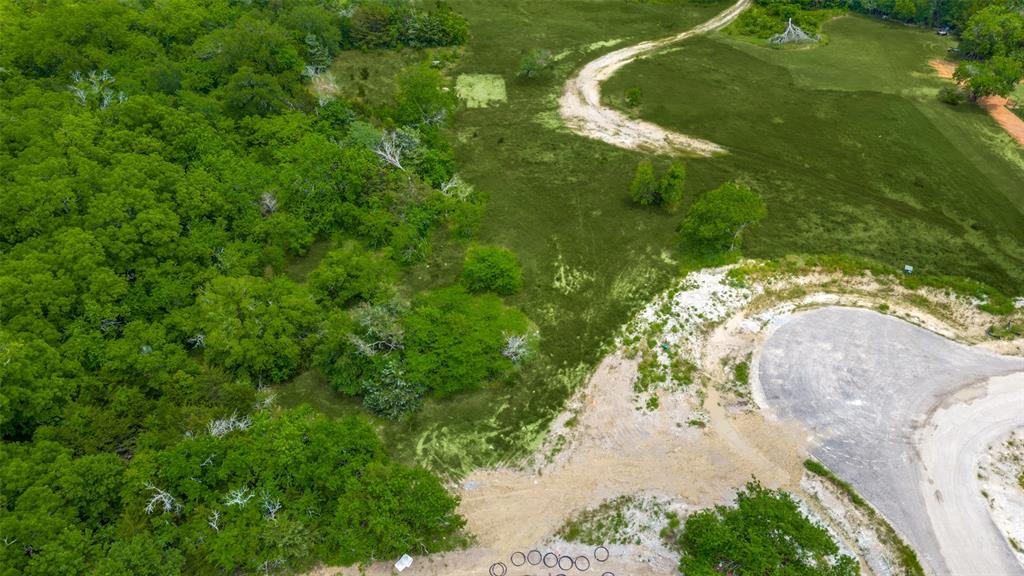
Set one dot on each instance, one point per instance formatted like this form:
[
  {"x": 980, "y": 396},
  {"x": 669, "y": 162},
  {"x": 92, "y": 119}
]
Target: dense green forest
[{"x": 162, "y": 161}]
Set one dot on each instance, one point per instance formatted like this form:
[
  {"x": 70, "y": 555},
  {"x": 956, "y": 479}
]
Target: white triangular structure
[{"x": 792, "y": 35}]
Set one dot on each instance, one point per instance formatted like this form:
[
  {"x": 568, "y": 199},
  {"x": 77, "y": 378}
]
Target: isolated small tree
[
  {"x": 491, "y": 269},
  {"x": 534, "y": 63},
  {"x": 717, "y": 220},
  {"x": 645, "y": 189},
  {"x": 672, "y": 185}
]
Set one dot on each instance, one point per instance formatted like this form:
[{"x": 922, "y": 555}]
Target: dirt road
[
  {"x": 583, "y": 112},
  {"x": 865, "y": 384},
  {"x": 975, "y": 418}
]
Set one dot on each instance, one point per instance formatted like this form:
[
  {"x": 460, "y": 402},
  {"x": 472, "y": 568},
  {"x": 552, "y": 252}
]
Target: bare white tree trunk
[
  {"x": 270, "y": 507},
  {"x": 516, "y": 347},
  {"x": 390, "y": 149},
  {"x": 238, "y": 497},
  {"x": 214, "y": 521},
  {"x": 161, "y": 499}
]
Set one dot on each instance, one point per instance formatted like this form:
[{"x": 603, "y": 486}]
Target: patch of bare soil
[
  {"x": 583, "y": 112},
  {"x": 996, "y": 106}
]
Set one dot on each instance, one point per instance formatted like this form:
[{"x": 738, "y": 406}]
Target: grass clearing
[
  {"x": 371, "y": 76},
  {"x": 591, "y": 258},
  {"x": 849, "y": 148},
  {"x": 480, "y": 90}
]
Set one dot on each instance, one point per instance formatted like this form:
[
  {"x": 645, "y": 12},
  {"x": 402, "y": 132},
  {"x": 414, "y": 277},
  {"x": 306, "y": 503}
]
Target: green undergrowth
[{"x": 905, "y": 555}]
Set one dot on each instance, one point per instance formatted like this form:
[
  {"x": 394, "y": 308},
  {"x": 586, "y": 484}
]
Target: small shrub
[
  {"x": 653, "y": 403},
  {"x": 390, "y": 395},
  {"x": 534, "y": 63},
  {"x": 491, "y": 269},
  {"x": 741, "y": 372},
  {"x": 951, "y": 95},
  {"x": 633, "y": 96},
  {"x": 672, "y": 185}
]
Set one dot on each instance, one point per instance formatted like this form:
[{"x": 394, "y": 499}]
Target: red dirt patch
[{"x": 994, "y": 105}]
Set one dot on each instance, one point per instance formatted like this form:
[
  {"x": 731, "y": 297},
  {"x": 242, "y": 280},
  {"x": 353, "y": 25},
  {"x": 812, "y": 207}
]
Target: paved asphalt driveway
[{"x": 862, "y": 382}]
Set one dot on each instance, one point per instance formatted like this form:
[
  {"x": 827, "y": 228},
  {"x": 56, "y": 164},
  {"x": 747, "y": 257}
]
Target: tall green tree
[
  {"x": 672, "y": 186},
  {"x": 644, "y": 189},
  {"x": 717, "y": 220},
  {"x": 996, "y": 77},
  {"x": 454, "y": 340},
  {"x": 257, "y": 327}
]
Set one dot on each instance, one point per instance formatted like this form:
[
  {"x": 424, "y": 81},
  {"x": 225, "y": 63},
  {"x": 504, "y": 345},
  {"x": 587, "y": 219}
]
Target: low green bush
[
  {"x": 951, "y": 95},
  {"x": 350, "y": 273},
  {"x": 491, "y": 269},
  {"x": 454, "y": 341}
]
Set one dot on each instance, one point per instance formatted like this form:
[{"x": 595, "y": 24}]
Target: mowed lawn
[{"x": 850, "y": 146}]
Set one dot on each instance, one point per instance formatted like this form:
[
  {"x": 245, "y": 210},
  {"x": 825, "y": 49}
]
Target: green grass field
[
  {"x": 851, "y": 158},
  {"x": 559, "y": 201},
  {"x": 850, "y": 146}
]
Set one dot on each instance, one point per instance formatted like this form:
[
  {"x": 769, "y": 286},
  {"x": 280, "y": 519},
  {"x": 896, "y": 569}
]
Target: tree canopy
[
  {"x": 764, "y": 533},
  {"x": 717, "y": 220},
  {"x": 491, "y": 269},
  {"x": 163, "y": 164}
]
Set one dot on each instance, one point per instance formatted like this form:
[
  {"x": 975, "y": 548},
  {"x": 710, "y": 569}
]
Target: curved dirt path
[
  {"x": 975, "y": 418},
  {"x": 581, "y": 108},
  {"x": 888, "y": 404}
]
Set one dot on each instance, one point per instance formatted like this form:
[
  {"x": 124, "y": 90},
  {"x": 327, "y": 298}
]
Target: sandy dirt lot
[
  {"x": 606, "y": 444},
  {"x": 617, "y": 450},
  {"x": 583, "y": 112},
  {"x": 866, "y": 385},
  {"x": 999, "y": 472}
]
